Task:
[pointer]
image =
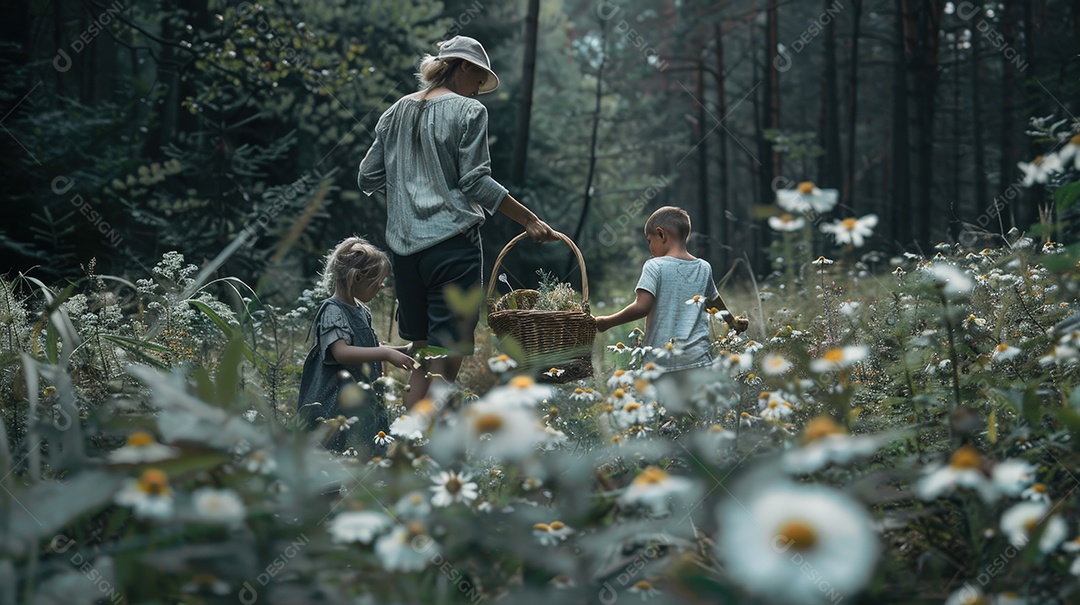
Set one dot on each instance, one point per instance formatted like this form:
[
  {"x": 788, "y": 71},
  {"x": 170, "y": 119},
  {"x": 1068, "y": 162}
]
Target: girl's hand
[
  {"x": 401, "y": 360},
  {"x": 602, "y": 323}
]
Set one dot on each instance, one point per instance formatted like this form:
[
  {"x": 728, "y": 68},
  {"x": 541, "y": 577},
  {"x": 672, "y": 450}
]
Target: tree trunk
[
  {"x": 921, "y": 29},
  {"x": 1010, "y": 154},
  {"x": 592, "y": 142},
  {"x": 982, "y": 190},
  {"x": 832, "y": 161},
  {"x": 721, "y": 143},
  {"x": 853, "y": 97},
  {"x": 702, "y": 161},
  {"x": 901, "y": 158},
  {"x": 528, "y": 75},
  {"x": 773, "y": 40}
]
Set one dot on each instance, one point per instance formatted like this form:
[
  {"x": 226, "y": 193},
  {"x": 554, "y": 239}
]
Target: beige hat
[{"x": 464, "y": 47}]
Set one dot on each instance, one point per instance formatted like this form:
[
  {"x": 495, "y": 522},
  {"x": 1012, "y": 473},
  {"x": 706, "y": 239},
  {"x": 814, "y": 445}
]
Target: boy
[{"x": 673, "y": 293}]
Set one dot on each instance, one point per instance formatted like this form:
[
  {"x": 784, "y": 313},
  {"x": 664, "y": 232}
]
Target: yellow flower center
[
  {"x": 965, "y": 458},
  {"x": 649, "y": 367},
  {"x": 416, "y": 499},
  {"x": 798, "y": 534},
  {"x": 618, "y": 394},
  {"x": 632, "y": 406},
  {"x": 503, "y": 358},
  {"x": 619, "y": 373},
  {"x": 521, "y": 382},
  {"x": 380, "y": 435},
  {"x": 849, "y": 223},
  {"x": 424, "y": 407},
  {"x": 697, "y": 298},
  {"x": 641, "y": 384},
  {"x": 416, "y": 528},
  {"x": 1039, "y": 488},
  {"x": 140, "y": 439},
  {"x": 1038, "y": 160},
  {"x": 787, "y": 218},
  {"x": 579, "y": 391},
  {"x": 764, "y": 395},
  {"x": 716, "y": 428},
  {"x": 542, "y": 527},
  {"x": 773, "y": 404},
  {"x": 834, "y": 355},
  {"x": 806, "y": 187},
  {"x": 557, "y": 525},
  {"x": 643, "y": 585},
  {"x": 1030, "y": 525},
  {"x": 1001, "y": 348},
  {"x": 154, "y": 482},
  {"x": 1075, "y": 140},
  {"x": 651, "y": 476},
  {"x": 489, "y": 423},
  {"x": 819, "y": 427},
  {"x": 453, "y": 485}
]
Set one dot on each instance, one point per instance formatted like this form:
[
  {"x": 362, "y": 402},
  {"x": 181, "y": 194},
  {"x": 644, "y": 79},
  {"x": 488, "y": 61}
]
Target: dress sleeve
[
  {"x": 333, "y": 326},
  {"x": 372, "y": 175},
  {"x": 474, "y": 162},
  {"x": 650, "y": 278}
]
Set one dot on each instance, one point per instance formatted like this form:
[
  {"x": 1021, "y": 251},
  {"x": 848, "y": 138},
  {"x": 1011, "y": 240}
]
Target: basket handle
[{"x": 566, "y": 240}]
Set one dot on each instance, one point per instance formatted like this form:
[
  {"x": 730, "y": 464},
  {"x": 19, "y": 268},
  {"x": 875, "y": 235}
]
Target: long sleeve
[
  {"x": 474, "y": 163},
  {"x": 372, "y": 176}
]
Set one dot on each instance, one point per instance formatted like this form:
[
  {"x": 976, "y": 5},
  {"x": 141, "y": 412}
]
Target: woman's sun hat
[{"x": 464, "y": 47}]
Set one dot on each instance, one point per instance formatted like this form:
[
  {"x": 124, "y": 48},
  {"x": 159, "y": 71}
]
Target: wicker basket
[{"x": 547, "y": 339}]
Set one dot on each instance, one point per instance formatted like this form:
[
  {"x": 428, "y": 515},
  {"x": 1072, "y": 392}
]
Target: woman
[{"x": 430, "y": 156}]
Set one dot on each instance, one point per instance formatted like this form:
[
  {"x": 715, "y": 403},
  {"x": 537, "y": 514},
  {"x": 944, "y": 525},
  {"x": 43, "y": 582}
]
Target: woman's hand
[
  {"x": 602, "y": 323},
  {"x": 540, "y": 231}
]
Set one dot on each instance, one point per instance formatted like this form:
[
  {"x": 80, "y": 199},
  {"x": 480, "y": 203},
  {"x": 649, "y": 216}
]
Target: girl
[{"x": 344, "y": 340}]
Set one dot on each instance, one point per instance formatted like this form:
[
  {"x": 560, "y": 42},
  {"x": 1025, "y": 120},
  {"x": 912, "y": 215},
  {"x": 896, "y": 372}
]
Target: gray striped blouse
[{"x": 432, "y": 162}]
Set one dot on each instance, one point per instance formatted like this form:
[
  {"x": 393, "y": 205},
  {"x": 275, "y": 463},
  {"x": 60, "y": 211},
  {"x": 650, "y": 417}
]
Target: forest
[{"x": 887, "y": 191}]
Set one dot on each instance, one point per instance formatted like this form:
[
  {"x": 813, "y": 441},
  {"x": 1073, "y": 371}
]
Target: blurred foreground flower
[
  {"x": 1020, "y": 521},
  {"x": 656, "y": 490},
  {"x": 358, "y": 526},
  {"x": 826, "y": 442},
  {"x": 786, "y": 223},
  {"x": 406, "y": 548},
  {"x": 141, "y": 448},
  {"x": 148, "y": 496},
  {"x": 797, "y": 543},
  {"x": 1040, "y": 169},
  {"x": 835, "y": 359},
  {"x": 965, "y": 469},
  {"x": 218, "y": 506}
]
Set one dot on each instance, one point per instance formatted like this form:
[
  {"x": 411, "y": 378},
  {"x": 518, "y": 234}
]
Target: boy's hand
[
  {"x": 602, "y": 323},
  {"x": 540, "y": 231},
  {"x": 740, "y": 324},
  {"x": 401, "y": 360}
]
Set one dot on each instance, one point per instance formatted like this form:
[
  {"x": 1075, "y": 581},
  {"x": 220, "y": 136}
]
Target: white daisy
[
  {"x": 358, "y": 526},
  {"x": 650, "y": 371},
  {"x": 807, "y": 198},
  {"x": 620, "y": 379},
  {"x": 451, "y": 487},
  {"x": 775, "y": 365},
  {"x": 554, "y": 372},
  {"x": 148, "y": 496},
  {"x": 412, "y": 506},
  {"x": 1040, "y": 169},
  {"x": 550, "y": 534},
  {"x": 953, "y": 280},
  {"x": 772, "y": 534},
  {"x": 965, "y": 469},
  {"x": 777, "y": 410},
  {"x": 852, "y": 231},
  {"x": 260, "y": 461},
  {"x": 414, "y": 424},
  {"x": 520, "y": 391},
  {"x": 406, "y": 548},
  {"x": 786, "y": 223},
  {"x": 697, "y": 300},
  {"x": 825, "y": 442},
  {"x": 821, "y": 261},
  {"x": 1004, "y": 352},
  {"x": 1018, "y": 522},
  {"x": 968, "y": 594},
  {"x": 501, "y": 363},
  {"x": 340, "y": 422},
  {"x": 1038, "y": 492},
  {"x": 1060, "y": 355},
  {"x": 619, "y": 347},
  {"x": 632, "y": 413},
  {"x": 658, "y": 491},
  {"x": 382, "y": 438},
  {"x": 734, "y": 363},
  {"x": 645, "y": 589},
  {"x": 498, "y": 431},
  {"x": 1070, "y": 153},
  {"x": 141, "y": 448},
  {"x": 581, "y": 394},
  {"x": 218, "y": 506},
  {"x": 835, "y": 359},
  {"x": 1012, "y": 477}
]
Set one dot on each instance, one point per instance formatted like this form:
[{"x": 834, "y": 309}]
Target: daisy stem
[{"x": 952, "y": 348}]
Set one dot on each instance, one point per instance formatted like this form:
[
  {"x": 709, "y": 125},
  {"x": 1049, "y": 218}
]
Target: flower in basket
[{"x": 501, "y": 363}]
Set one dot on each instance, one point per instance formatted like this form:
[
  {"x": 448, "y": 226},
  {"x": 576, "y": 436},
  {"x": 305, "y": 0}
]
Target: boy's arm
[
  {"x": 641, "y": 307},
  {"x": 738, "y": 324},
  {"x": 345, "y": 353}
]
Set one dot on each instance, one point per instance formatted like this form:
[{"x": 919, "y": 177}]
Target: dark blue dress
[{"x": 321, "y": 384}]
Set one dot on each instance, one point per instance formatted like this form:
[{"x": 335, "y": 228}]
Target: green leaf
[
  {"x": 1066, "y": 195},
  {"x": 228, "y": 329},
  {"x": 57, "y": 504},
  {"x": 135, "y": 342},
  {"x": 228, "y": 373},
  {"x": 51, "y": 350},
  {"x": 462, "y": 303}
]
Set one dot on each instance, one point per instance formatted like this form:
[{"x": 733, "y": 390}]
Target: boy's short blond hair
[{"x": 672, "y": 219}]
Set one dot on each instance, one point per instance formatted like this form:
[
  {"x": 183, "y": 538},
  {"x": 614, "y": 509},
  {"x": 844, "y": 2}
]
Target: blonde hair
[
  {"x": 435, "y": 72},
  {"x": 671, "y": 219},
  {"x": 355, "y": 259}
]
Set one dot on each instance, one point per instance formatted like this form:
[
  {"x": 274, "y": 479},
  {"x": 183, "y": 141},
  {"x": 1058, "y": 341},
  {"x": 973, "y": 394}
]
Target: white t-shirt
[{"x": 673, "y": 282}]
